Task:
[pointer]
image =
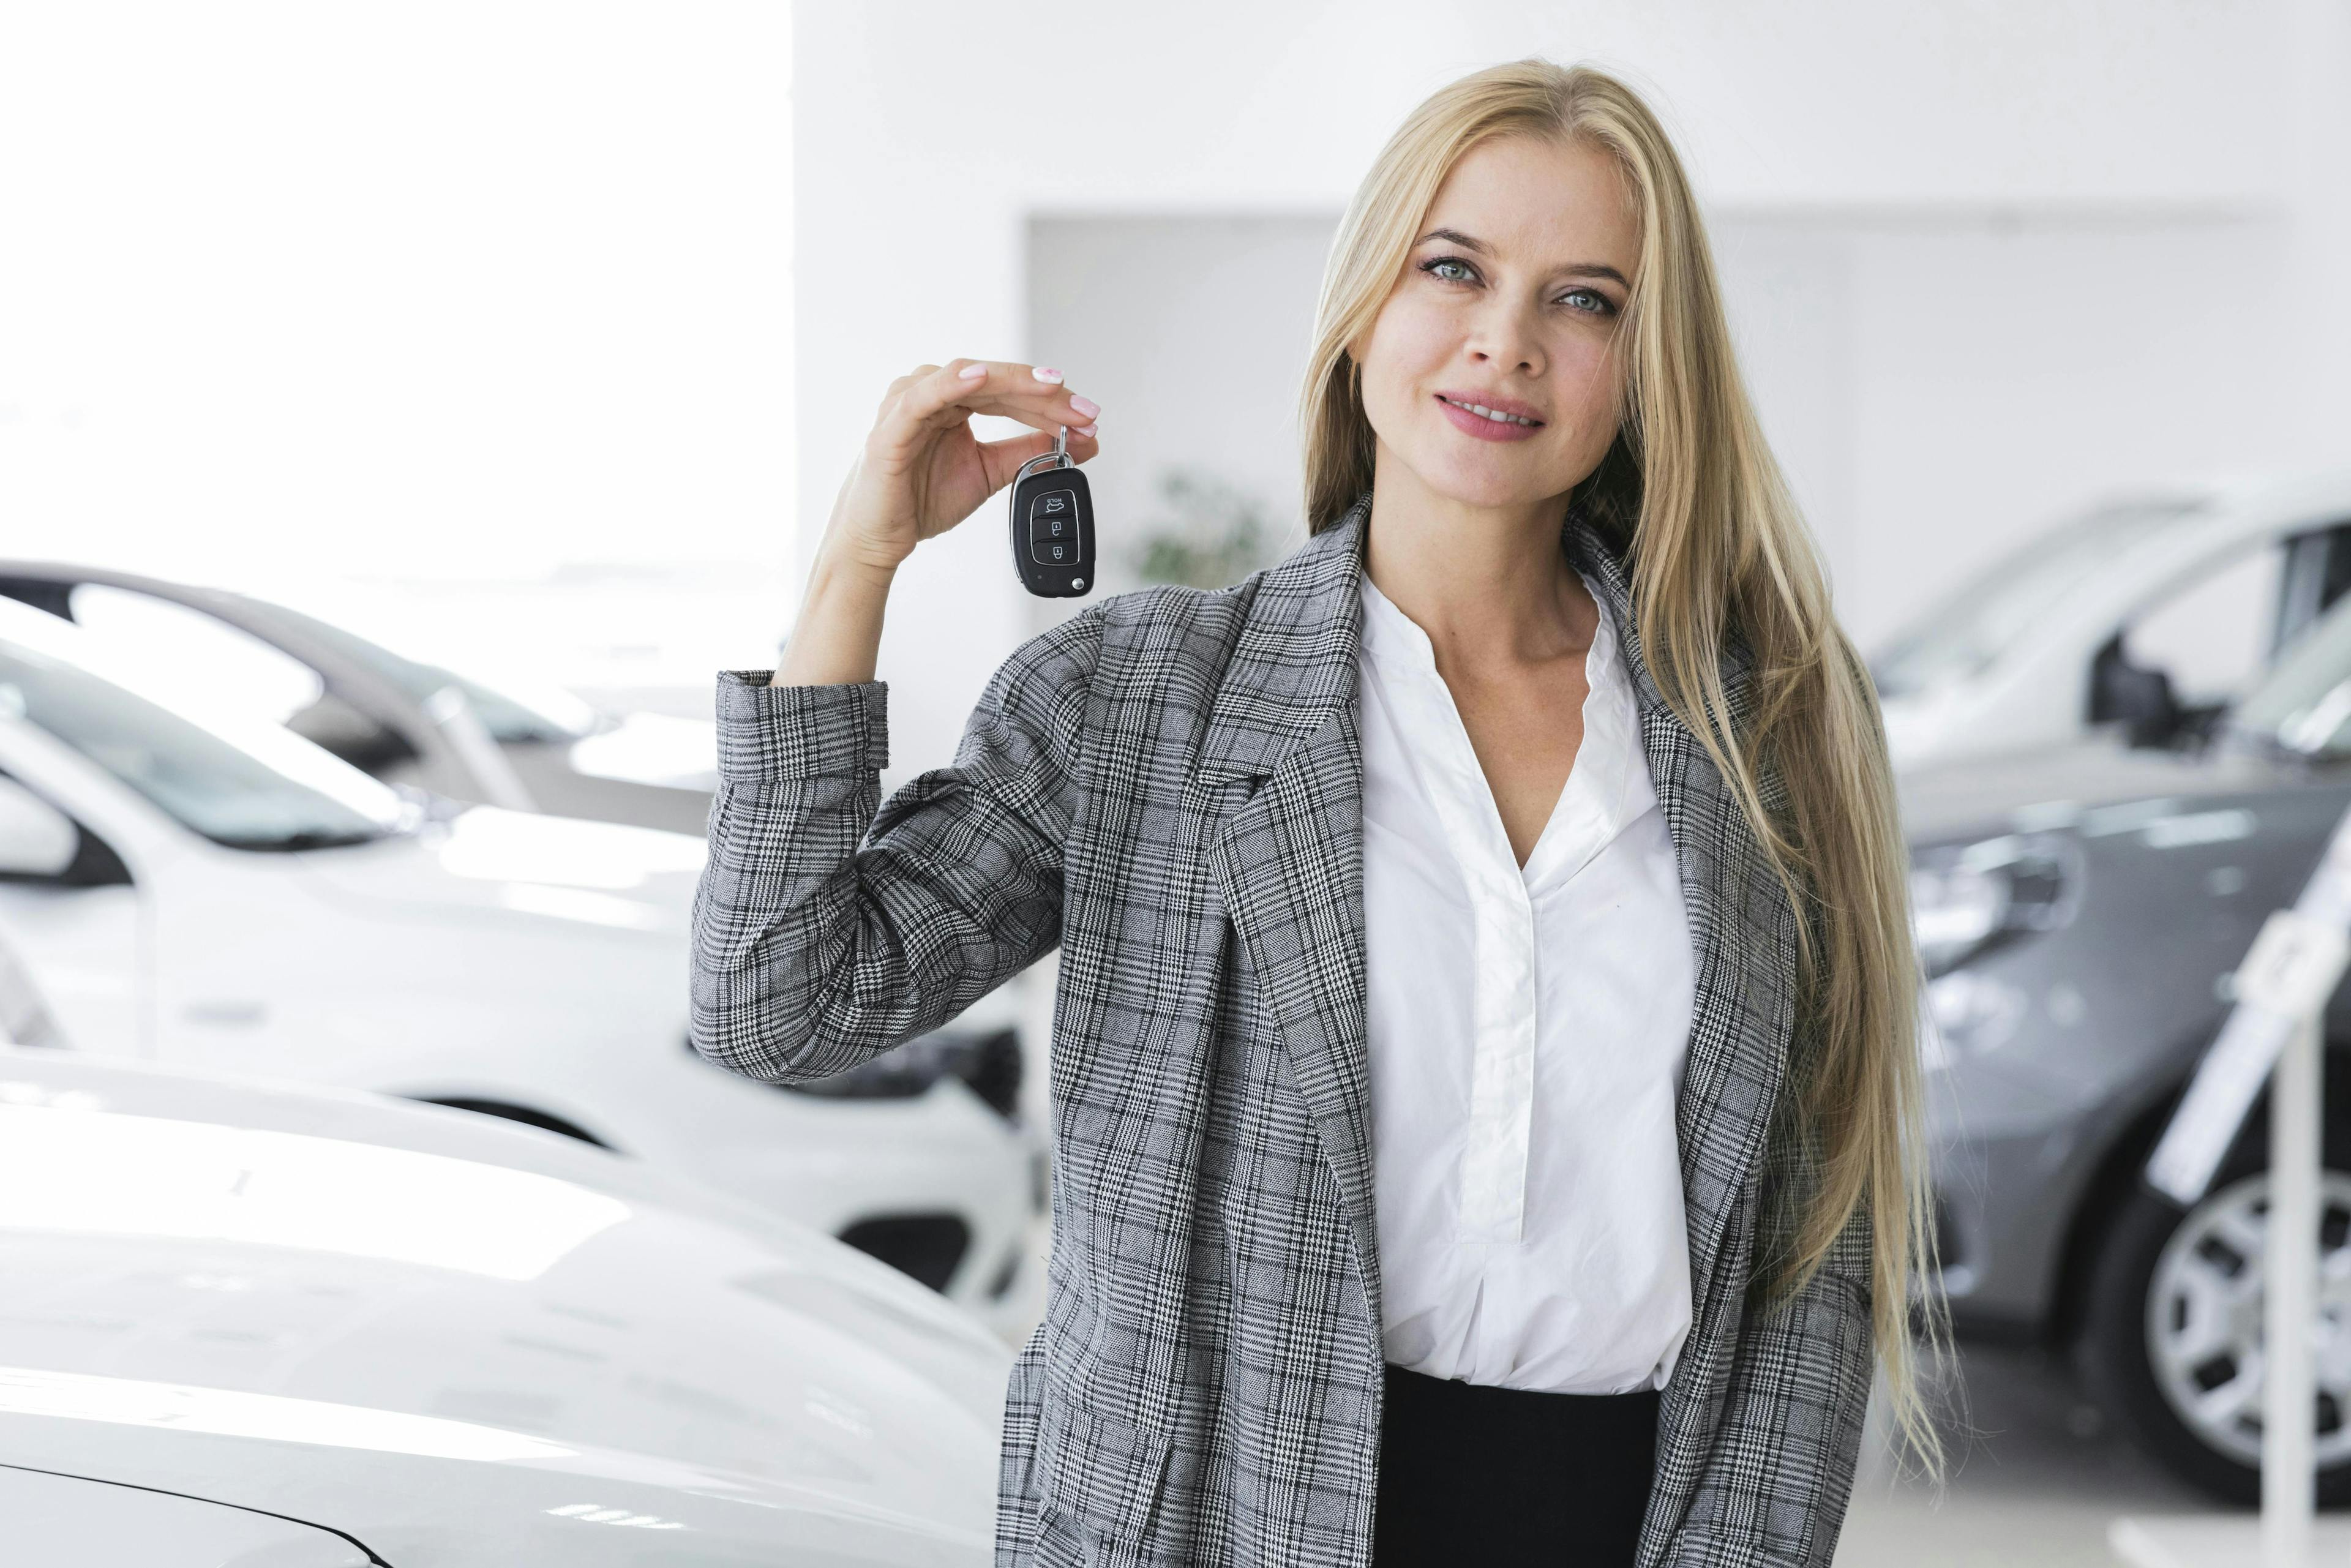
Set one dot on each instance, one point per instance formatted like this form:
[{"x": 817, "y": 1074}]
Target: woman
[{"x": 1465, "y": 1152}]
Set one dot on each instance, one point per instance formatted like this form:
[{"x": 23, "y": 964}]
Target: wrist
[
  {"x": 841, "y": 582},
  {"x": 844, "y": 566}
]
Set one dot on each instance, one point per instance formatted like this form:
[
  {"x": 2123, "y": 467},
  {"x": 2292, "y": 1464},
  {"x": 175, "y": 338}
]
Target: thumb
[{"x": 1000, "y": 460}]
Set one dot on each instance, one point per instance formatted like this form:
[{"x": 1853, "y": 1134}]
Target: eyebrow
[{"x": 1580, "y": 268}]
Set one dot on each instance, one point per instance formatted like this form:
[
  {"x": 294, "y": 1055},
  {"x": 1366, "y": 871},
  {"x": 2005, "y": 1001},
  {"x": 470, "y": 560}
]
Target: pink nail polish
[
  {"x": 973, "y": 371},
  {"x": 1087, "y": 431},
  {"x": 1085, "y": 405},
  {"x": 1045, "y": 373}
]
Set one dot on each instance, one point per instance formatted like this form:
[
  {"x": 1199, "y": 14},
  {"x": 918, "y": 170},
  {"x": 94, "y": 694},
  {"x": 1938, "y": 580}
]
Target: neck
[{"x": 1490, "y": 585}]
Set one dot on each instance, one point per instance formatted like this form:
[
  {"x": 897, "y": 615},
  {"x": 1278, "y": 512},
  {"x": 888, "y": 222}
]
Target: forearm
[
  {"x": 778, "y": 928},
  {"x": 837, "y": 637},
  {"x": 1775, "y": 1486},
  {"x": 831, "y": 924}
]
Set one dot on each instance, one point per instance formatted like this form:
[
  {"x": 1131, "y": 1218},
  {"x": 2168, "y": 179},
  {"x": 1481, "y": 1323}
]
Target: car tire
[{"x": 2171, "y": 1330}]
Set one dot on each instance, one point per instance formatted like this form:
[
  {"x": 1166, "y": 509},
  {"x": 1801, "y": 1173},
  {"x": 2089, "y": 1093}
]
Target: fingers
[
  {"x": 934, "y": 397},
  {"x": 1031, "y": 393}
]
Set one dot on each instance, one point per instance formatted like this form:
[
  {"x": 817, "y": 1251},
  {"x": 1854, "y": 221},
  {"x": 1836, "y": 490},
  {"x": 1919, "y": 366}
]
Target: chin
[{"x": 1482, "y": 481}]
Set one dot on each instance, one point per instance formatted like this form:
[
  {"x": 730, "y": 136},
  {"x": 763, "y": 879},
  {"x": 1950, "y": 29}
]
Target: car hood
[
  {"x": 653, "y": 748},
  {"x": 461, "y": 1342},
  {"x": 2045, "y": 787},
  {"x": 561, "y": 868}
]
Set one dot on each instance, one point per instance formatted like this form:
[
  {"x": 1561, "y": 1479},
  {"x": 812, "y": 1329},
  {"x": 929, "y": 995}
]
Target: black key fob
[{"x": 1053, "y": 526}]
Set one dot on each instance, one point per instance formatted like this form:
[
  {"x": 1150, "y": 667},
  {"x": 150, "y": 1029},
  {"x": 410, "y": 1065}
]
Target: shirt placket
[{"x": 1503, "y": 992}]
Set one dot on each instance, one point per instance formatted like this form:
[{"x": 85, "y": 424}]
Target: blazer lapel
[
  {"x": 1744, "y": 934},
  {"x": 1288, "y": 861}
]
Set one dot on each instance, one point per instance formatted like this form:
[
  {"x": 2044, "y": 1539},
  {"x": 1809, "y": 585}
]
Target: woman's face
[{"x": 1509, "y": 301}]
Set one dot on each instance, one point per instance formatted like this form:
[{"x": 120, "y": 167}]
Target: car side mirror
[
  {"x": 2138, "y": 695},
  {"x": 37, "y": 840}
]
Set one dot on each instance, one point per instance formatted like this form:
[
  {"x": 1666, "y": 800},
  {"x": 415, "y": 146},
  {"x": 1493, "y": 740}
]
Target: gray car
[{"x": 2081, "y": 912}]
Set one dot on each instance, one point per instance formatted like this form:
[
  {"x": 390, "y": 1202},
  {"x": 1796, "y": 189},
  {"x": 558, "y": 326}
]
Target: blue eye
[
  {"x": 1437, "y": 268},
  {"x": 1592, "y": 302}
]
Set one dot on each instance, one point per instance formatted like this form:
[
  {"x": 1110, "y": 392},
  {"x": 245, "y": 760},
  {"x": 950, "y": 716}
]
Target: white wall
[
  {"x": 1941, "y": 386},
  {"x": 1923, "y": 149},
  {"x": 450, "y": 289}
]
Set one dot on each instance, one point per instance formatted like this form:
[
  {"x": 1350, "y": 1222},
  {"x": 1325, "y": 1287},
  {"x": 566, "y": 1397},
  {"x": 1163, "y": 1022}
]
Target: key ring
[{"x": 1059, "y": 458}]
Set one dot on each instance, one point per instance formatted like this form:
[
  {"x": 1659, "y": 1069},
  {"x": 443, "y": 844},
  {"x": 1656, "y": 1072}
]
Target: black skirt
[{"x": 1500, "y": 1477}]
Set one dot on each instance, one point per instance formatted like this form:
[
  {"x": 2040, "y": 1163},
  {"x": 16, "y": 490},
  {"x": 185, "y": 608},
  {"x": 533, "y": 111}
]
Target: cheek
[
  {"x": 1407, "y": 342},
  {"x": 1586, "y": 378}
]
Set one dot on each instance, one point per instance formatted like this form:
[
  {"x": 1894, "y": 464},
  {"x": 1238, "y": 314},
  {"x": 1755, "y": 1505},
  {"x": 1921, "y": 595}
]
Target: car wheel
[{"x": 2171, "y": 1340}]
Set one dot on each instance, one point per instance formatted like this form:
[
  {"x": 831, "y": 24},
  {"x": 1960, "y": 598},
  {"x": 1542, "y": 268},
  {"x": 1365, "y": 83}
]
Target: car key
[{"x": 1052, "y": 525}]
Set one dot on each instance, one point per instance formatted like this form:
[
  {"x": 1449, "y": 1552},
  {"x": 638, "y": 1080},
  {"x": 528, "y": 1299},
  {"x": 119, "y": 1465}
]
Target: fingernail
[
  {"x": 1087, "y": 431},
  {"x": 973, "y": 371},
  {"x": 1045, "y": 373},
  {"x": 1085, "y": 405}
]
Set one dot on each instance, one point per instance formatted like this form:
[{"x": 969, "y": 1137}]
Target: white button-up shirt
[{"x": 1527, "y": 1032}]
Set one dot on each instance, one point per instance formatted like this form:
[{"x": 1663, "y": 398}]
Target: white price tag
[
  {"x": 2288, "y": 973},
  {"x": 2226, "y": 1083},
  {"x": 2293, "y": 964}
]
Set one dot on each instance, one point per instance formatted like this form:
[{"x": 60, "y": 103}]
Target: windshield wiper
[{"x": 309, "y": 839}]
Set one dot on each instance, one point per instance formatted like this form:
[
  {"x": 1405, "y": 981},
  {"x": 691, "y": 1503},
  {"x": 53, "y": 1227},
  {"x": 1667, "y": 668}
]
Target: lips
[
  {"x": 1501, "y": 410},
  {"x": 1489, "y": 418}
]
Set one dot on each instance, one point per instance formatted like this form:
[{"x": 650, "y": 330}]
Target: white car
[
  {"x": 527, "y": 748},
  {"x": 2150, "y": 615},
  {"x": 234, "y": 899},
  {"x": 264, "y": 1325}
]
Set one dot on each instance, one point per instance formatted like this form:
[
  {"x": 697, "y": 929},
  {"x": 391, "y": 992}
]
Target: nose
[{"x": 1503, "y": 334}]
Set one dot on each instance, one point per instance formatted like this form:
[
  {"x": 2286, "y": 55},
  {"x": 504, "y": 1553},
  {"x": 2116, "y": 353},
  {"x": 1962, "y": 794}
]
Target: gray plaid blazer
[{"x": 1168, "y": 784}]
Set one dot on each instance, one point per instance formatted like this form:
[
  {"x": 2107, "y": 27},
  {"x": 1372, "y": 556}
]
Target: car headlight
[
  {"x": 1967, "y": 900},
  {"x": 1966, "y": 1014},
  {"x": 989, "y": 1064}
]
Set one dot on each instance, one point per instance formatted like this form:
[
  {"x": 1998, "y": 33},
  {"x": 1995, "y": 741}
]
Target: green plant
[{"x": 1216, "y": 534}]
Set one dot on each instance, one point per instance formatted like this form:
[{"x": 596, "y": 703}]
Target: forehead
[{"x": 1540, "y": 202}]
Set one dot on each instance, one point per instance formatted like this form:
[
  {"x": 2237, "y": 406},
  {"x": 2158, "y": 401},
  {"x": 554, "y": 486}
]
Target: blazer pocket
[{"x": 1100, "y": 1470}]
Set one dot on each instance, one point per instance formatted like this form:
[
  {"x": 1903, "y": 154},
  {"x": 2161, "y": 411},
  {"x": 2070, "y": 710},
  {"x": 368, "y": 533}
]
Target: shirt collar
[{"x": 1397, "y": 640}]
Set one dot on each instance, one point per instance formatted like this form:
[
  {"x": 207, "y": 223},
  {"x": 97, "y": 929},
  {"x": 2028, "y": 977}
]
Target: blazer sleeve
[
  {"x": 825, "y": 931},
  {"x": 1774, "y": 1489}
]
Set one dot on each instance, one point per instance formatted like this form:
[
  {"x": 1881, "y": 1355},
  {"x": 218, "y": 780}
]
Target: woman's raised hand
[{"x": 923, "y": 472}]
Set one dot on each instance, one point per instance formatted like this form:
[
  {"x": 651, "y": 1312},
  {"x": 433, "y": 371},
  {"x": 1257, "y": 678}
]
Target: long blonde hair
[{"x": 1716, "y": 547}]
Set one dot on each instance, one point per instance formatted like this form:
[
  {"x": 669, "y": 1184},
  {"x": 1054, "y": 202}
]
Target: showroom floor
[{"x": 2037, "y": 1485}]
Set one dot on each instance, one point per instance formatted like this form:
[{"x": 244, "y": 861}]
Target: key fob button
[{"x": 1054, "y": 503}]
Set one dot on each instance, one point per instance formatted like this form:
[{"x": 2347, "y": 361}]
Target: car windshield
[
  {"x": 268, "y": 790},
  {"x": 510, "y": 718},
  {"x": 1969, "y": 628},
  {"x": 2305, "y": 704}
]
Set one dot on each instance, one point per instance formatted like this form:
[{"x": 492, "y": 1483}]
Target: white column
[
  {"x": 2290, "y": 1273},
  {"x": 2315, "y": 388}
]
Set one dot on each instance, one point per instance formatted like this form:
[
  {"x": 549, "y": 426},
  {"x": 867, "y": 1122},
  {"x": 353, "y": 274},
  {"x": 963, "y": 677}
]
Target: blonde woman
[{"x": 1484, "y": 1096}]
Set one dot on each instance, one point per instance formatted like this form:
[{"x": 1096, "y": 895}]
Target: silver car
[
  {"x": 2158, "y": 610},
  {"x": 2081, "y": 911},
  {"x": 412, "y": 723}
]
